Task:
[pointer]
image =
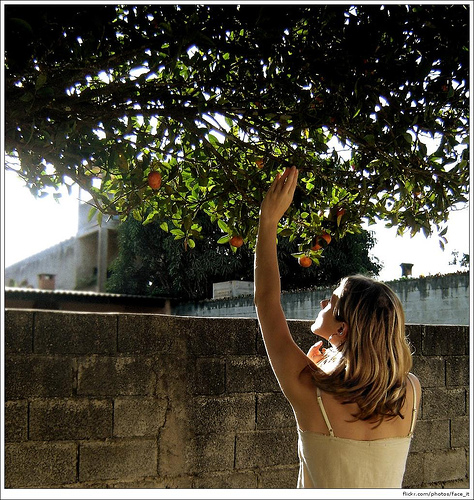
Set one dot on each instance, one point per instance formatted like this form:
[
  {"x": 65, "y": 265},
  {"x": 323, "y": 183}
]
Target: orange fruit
[
  {"x": 259, "y": 163},
  {"x": 325, "y": 236},
  {"x": 154, "y": 180},
  {"x": 236, "y": 241},
  {"x": 304, "y": 261}
]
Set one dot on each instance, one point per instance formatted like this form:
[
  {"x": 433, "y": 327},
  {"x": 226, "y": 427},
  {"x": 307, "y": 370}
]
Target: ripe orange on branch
[
  {"x": 325, "y": 236},
  {"x": 154, "y": 180},
  {"x": 304, "y": 261},
  {"x": 236, "y": 241}
]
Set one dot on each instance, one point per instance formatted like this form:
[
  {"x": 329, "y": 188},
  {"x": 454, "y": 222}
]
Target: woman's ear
[
  {"x": 341, "y": 335},
  {"x": 342, "y": 330}
]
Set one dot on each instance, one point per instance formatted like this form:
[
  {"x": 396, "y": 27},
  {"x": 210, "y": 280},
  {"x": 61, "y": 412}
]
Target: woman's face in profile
[{"x": 325, "y": 323}]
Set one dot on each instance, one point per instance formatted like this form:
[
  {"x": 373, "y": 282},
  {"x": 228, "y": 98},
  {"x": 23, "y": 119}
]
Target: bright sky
[{"x": 31, "y": 225}]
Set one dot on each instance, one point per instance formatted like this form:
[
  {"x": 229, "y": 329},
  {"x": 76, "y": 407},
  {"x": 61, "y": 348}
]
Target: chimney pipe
[
  {"x": 46, "y": 281},
  {"x": 406, "y": 269}
]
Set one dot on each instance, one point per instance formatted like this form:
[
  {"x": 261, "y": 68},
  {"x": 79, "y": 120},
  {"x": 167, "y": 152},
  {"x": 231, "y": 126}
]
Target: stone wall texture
[{"x": 108, "y": 400}]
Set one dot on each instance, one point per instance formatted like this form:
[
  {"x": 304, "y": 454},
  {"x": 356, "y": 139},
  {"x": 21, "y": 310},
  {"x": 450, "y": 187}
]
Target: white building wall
[
  {"x": 74, "y": 262},
  {"x": 232, "y": 288},
  {"x": 58, "y": 260}
]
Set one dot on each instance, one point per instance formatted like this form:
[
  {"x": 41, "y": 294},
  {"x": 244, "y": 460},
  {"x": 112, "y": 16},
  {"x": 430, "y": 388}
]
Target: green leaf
[
  {"x": 41, "y": 80},
  {"x": 23, "y": 24},
  {"x": 177, "y": 233},
  {"x": 92, "y": 212},
  {"x": 223, "y": 226},
  {"x": 224, "y": 239},
  {"x": 28, "y": 97},
  {"x": 150, "y": 218},
  {"x": 370, "y": 139}
]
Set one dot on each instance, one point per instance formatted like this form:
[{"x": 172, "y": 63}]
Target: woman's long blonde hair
[{"x": 375, "y": 359}]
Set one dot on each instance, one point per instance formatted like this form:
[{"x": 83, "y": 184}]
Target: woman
[{"x": 355, "y": 403}]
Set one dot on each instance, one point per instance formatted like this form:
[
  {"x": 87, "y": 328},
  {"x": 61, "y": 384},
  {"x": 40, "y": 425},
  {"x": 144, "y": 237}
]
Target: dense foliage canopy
[{"x": 370, "y": 102}]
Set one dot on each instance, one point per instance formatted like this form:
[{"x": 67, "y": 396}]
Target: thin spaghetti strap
[
  {"x": 323, "y": 411},
  {"x": 414, "y": 410}
]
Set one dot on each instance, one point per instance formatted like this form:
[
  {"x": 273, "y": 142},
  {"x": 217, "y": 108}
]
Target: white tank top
[{"x": 327, "y": 461}]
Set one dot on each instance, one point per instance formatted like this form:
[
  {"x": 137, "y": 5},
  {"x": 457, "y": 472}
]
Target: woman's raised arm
[{"x": 287, "y": 359}]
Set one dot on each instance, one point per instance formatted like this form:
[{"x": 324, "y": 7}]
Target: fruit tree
[{"x": 370, "y": 103}]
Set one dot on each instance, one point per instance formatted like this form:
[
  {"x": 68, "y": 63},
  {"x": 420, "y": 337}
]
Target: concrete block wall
[
  {"x": 153, "y": 401},
  {"x": 431, "y": 300}
]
